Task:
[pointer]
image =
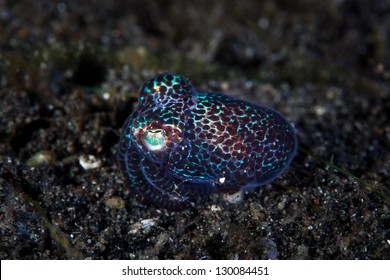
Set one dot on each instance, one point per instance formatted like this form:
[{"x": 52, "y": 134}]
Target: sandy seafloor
[{"x": 69, "y": 74}]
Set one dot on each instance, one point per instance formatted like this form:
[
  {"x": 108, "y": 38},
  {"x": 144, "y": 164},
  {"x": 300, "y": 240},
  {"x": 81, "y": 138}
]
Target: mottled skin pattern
[{"x": 182, "y": 143}]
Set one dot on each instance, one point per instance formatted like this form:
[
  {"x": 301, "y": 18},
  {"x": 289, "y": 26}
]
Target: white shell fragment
[{"x": 89, "y": 162}]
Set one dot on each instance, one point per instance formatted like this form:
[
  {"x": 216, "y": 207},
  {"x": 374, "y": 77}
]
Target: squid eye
[{"x": 155, "y": 139}]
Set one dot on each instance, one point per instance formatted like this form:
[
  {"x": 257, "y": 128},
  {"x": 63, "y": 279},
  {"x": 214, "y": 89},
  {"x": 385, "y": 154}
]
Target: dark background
[{"x": 69, "y": 74}]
